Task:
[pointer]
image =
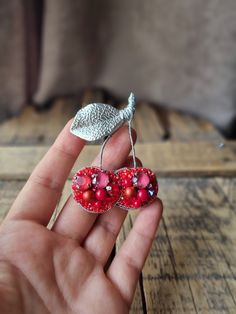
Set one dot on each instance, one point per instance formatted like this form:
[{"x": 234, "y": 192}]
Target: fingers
[
  {"x": 102, "y": 236},
  {"x": 39, "y": 197},
  {"x": 73, "y": 221},
  {"x": 128, "y": 263}
]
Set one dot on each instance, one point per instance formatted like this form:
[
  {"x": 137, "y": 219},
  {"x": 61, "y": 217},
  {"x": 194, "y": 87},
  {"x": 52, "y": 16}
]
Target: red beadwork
[
  {"x": 143, "y": 195},
  {"x": 114, "y": 190},
  {"x": 94, "y": 198},
  {"x": 102, "y": 180},
  {"x": 127, "y": 182},
  {"x": 84, "y": 182},
  {"x": 129, "y": 192},
  {"x": 101, "y": 194},
  {"x": 88, "y": 195},
  {"x": 137, "y": 203},
  {"x": 144, "y": 187},
  {"x": 143, "y": 180}
]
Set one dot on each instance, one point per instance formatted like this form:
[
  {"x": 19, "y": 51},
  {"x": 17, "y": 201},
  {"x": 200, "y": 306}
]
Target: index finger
[{"x": 40, "y": 195}]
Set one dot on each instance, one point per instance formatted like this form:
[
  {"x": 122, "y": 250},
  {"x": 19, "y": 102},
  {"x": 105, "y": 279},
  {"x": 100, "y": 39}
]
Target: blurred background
[
  {"x": 176, "y": 54},
  {"x": 179, "y": 59}
]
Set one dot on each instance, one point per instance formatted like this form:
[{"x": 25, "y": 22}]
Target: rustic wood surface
[
  {"x": 151, "y": 123},
  {"x": 165, "y": 158},
  {"x": 192, "y": 264}
]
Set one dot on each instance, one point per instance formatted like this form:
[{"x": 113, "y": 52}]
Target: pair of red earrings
[{"x": 98, "y": 190}]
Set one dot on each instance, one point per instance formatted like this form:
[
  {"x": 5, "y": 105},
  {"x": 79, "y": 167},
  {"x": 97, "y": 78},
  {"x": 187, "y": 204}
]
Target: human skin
[{"x": 62, "y": 269}]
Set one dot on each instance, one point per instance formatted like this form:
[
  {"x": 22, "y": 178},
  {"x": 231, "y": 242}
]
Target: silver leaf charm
[{"x": 97, "y": 120}]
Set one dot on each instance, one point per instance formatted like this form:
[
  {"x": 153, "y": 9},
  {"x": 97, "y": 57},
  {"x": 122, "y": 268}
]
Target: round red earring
[
  {"x": 95, "y": 189},
  {"x": 138, "y": 187}
]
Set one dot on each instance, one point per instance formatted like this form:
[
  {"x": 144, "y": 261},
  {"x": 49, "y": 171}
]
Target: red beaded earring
[
  {"x": 95, "y": 189},
  {"x": 98, "y": 190},
  {"x": 138, "y": 185}
]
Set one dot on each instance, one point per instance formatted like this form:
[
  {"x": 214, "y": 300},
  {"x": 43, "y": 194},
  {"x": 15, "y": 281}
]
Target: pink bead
[
  {"x": 101, "y": 194},
  {"x": 102, "y": 180},
  {"x": 83, "y": 182},
  {"x": 143, "y": 180},
  {"x": 143, "y": 195}
]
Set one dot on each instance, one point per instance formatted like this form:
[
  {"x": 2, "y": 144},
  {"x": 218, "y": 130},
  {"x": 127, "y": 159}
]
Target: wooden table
[{"x": 192, "y": 264}]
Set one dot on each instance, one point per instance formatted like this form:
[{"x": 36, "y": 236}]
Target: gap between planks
[
  {"x": 152, "y": 123},
  {"x": 164, "y": 158}
]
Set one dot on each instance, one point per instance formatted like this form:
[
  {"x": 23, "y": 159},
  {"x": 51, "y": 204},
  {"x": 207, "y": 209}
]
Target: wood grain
[
  {"x": 8, "y": 192},
  {"x": 184, "y": 127},
  {"x": 144, "y": 120},
  {"x": 34, "y": 127},
  {"x": 151, "y": 122},
  {"x": 192, "y": 264},
  {"x": 166, "y": 159}
]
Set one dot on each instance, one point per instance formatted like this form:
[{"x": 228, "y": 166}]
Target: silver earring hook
[
  {"x": 131, "y": 142},
  {"x": 127, "y": 115}
]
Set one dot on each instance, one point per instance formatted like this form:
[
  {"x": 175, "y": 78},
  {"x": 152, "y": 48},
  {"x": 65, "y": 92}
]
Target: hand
[{"x": 62, "y": 270}]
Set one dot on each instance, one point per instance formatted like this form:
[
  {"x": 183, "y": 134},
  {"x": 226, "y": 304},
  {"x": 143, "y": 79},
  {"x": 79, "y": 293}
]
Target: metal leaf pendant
[{"x": 97, "y": 120}]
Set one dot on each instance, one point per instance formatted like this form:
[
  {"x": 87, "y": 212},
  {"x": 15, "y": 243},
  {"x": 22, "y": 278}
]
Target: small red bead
[
  {"x": 88, "y": 195},
  {"x": 127, "y": 182},
  {"x": 143, "y": 195},
  {"x": 115, "y": 190},
  {"x": 129, "y": 192},
  {"x": 101, "y": 194},
  {"x": 137, "y": 203},
  {"x": 91, "y": 180},
  {"x": 98, "y": 204}
]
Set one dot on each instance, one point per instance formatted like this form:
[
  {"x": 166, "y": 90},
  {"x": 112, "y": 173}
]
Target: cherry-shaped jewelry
[
  {"x": 97, "y": 190},
  {"x": 138, "y": 185}
]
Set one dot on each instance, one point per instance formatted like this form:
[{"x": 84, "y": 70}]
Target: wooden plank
[
  {"x": 32, "y": 127},
  {"x": 90, "y": 96},
  {"x": 192, "y": 264},
  {"x": 151, "y": 122},
  {"x": 147, "y": 124},
  {"x": 172, "y": 159},
  {"x": 8, "y": 192},
  {"x": 184, "y": 127}
]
